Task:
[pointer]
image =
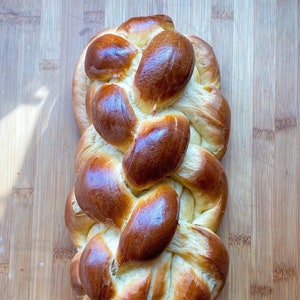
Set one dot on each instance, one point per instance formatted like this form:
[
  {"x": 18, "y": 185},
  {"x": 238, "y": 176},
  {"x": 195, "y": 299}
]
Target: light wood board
[{"x": 257, "y": 46}]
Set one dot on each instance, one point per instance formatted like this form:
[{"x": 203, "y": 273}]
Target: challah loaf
[{"x": 150, "y": 191}]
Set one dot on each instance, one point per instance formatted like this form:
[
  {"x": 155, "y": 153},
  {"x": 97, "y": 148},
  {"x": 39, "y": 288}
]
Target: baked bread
[{"x": 150, "y": 191}]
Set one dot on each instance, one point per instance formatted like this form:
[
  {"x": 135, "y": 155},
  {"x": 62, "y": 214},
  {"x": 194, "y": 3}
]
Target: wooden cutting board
[{"x": 257, "y": 46}]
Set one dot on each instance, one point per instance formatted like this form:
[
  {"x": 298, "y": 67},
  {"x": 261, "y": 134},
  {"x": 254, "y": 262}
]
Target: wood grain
[{"x": 257, "y": 46}]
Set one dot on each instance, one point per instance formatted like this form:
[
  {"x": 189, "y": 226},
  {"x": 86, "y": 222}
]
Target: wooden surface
[{"x": 257, "y": 45}]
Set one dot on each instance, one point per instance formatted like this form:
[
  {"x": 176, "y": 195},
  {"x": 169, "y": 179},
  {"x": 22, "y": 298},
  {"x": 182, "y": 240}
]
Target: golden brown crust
[
  {"x": 151, "y": 226},
  {"x": 91, "y": 91},
  {"x": 94, "y": 270},
  {"x": 150, "y": 190},
  {"x": 209, "y": 113},
  {"x": 165, "y": 68},
  {"x": 188, "y": 284},
  {"x": 113, "y": 116},
  {"x": 80, "y": 87},
  {"x": 141, "y": 29},
  {"x": 108, "y": 56},
  {"x": 137, "y": 290},
  {"x": 206, "y": 62},
  {"x": 204, "y": 176},
  {"x": 74, "y": 274},
  {"x": 100, "y": 194},
  {"x": 77, "y": 222},
  {"x": 143, "y": 25},
  {"x": 161, "y": 277},
  {"x": 204, "y": 252},
  {"x": 152, "y": 141}
]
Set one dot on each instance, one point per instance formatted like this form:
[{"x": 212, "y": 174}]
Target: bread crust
[{"x": 150, "y": 190}]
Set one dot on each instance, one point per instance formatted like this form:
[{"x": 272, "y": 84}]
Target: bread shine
[{"x": 150, "y": 191}]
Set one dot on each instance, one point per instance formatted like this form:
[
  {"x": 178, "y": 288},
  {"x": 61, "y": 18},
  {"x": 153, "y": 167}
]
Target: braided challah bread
[{"x": 150, "y": 191}]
